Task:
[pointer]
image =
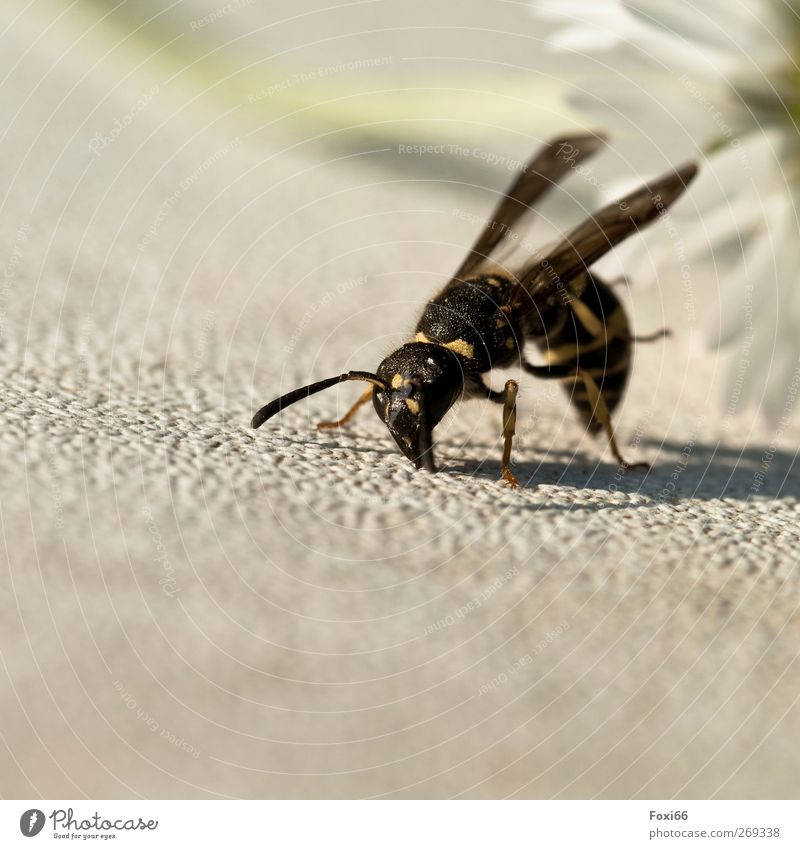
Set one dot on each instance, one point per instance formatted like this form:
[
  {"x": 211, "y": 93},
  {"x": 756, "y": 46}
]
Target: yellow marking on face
[
  {"x": 500, "y": 322},
  {"x": 421, "y": 337},
  {"x": 397, "y": 381},
  {"x": 510, "y": 342},
  {"x": 462, "y": 347},
  {"x": 494, "y": 281},
  {"x": 413, "y": 406}
]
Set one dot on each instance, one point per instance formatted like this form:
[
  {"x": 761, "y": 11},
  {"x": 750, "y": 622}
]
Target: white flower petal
[
  {"x": 669, "y": 80},
  {"x": 736, "y": 312},
  {"x": 667, "y": 118},
  {"x": 780, "y": 397},
  {"x": 582, "y": 39},
  {"x": 648, "y": 28},
  {"x": 733, "y": 27},
  {"x": 763, "y": 308}
]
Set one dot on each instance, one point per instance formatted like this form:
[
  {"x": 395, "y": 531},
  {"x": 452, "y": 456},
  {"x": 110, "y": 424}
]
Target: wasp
[{"x": 485, "y": 315}]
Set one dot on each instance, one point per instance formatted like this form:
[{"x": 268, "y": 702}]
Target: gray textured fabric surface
[{"x": 193, "y": 609}]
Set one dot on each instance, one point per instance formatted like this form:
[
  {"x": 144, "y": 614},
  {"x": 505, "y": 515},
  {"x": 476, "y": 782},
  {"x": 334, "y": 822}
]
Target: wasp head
[{"x": 421, "y": 381}]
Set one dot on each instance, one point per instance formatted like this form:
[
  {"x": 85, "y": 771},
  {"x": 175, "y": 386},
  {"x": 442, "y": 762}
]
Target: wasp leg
[
  {"x": 509, "y": 426},
  {"x": 604, "y": 417},
  {"x": 349, "y": 414},
  {"x": 652, "y": 337},
  {"x": 600, "y": 410},
  {"x": 508, "y": 398}
]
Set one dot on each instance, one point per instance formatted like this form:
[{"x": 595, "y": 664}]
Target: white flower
[{"x": 677, "y": 78}]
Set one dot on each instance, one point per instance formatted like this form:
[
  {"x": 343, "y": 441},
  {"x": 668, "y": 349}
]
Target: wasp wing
[
  {"x": 584, "y": 245},
  {"x": 546, "y": 168}
]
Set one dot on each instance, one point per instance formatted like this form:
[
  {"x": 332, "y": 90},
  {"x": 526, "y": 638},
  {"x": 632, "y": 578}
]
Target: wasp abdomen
[{"x": 591, "y": 332}]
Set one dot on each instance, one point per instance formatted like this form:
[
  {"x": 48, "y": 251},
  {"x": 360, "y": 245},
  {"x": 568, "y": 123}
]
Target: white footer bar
[{"x": 403, "y": 824}]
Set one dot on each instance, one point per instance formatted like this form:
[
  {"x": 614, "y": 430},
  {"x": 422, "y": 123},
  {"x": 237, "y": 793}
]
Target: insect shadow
[{"x": 706, "y": 472}]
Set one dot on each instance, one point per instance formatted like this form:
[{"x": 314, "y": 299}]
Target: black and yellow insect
[{"x": 484, "y": 316}]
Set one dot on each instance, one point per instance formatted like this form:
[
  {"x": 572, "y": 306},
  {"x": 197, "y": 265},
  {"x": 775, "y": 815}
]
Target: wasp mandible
[{"x": 485, "y": 314}]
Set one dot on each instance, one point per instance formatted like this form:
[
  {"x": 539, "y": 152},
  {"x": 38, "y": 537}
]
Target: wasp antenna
[{"x": 268, "y": 411}]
